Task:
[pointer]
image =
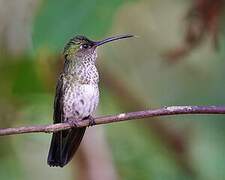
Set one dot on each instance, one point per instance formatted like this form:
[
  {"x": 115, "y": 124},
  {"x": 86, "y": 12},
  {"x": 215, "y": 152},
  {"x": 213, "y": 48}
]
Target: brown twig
[{"x": 166, "y": 111}]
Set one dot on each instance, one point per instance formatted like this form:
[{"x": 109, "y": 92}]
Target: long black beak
[{"x": 110, "y": 39}]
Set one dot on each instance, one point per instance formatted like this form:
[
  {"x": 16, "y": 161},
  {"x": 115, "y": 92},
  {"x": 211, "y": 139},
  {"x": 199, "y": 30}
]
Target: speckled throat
[{"x": 82, "y": 69}]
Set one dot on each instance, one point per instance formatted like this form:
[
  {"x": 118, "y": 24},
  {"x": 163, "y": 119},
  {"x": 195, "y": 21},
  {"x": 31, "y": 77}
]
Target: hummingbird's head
[
  {"x": 81, "y": 46},
  {"x": 78, "y": 46}
]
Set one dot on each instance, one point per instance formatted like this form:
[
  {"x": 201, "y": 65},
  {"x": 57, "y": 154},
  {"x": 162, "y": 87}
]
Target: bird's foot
[
  {"x": 72, "y": 122},
  {"x": 91, "y": 120}
]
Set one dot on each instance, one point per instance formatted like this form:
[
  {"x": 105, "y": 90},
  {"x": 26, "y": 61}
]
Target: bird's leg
[
  {"x": 91, "y": 120},
  {"x": 73, "y": 122}
]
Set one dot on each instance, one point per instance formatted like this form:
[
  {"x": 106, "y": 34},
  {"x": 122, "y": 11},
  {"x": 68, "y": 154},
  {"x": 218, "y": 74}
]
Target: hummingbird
[{"x": 76, "y": 97}]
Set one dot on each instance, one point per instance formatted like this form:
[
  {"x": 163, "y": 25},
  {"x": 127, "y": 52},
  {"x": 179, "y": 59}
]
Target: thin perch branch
[{"x": 166, "y": 111}]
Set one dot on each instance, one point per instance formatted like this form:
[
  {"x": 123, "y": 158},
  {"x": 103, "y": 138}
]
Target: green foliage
[{"x": 20, "y": 75}]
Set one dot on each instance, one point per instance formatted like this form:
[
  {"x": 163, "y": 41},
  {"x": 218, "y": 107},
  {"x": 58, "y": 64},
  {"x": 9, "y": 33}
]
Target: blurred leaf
[
  {"x": 26, "y": 80},
  {"x": 19, "y": 76}
]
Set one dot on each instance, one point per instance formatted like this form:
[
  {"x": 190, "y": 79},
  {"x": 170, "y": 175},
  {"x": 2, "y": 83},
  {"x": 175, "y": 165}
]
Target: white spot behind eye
[{"x": 84, "y": 46}]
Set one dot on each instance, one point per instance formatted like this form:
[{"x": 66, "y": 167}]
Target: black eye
[{"x": 84, "y": 46}]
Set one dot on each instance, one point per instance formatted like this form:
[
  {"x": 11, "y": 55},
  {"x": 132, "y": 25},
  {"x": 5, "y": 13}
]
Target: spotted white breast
[{"x": 80, "y": 100}]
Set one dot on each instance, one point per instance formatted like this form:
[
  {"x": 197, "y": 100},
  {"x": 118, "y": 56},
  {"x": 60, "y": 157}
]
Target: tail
[{"x": 63, "y": 146}]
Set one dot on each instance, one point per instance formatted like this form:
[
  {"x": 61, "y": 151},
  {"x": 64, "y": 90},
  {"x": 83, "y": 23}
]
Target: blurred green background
[{"x": 177, "y": 59}]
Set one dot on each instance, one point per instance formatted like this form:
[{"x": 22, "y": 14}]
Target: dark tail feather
[
  {"x": 54, "y": 155},
  {"x": 63, "y": 146}
]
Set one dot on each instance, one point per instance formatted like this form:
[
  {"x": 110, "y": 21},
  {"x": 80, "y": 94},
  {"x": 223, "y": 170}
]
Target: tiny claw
[
  {"x": 72, "y": 122},
  {"x": 91, "y": 121}
]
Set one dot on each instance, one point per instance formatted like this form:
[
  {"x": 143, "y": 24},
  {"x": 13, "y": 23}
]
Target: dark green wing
[
  {"x": 55, "y": 151},
  {"x": 64, "y": 143},
  {"x": 58, "y": 102}
]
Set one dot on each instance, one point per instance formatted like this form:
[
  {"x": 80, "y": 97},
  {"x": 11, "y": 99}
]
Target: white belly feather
[{"x": 80, "y": 100}]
